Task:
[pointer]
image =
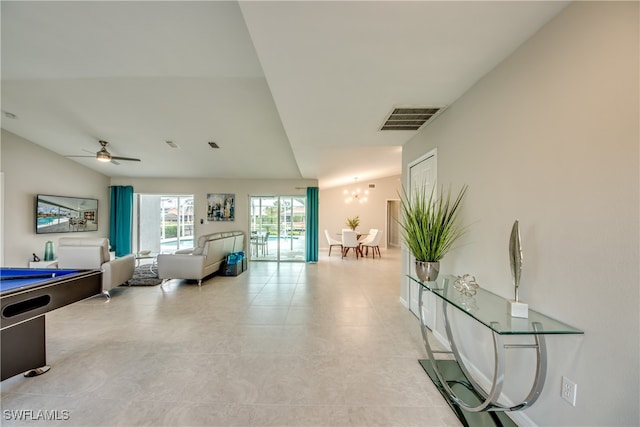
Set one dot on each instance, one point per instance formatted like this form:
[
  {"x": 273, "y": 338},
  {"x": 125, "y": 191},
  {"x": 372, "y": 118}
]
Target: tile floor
[{"x": 325, "y": 344}]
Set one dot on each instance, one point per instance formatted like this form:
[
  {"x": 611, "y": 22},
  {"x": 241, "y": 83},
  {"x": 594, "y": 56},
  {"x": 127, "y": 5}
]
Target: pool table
[{"x": 26, "y": 294}]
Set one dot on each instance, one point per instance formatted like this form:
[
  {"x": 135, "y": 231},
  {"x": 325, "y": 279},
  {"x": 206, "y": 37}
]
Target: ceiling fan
[{"x": 104, "y": 156}]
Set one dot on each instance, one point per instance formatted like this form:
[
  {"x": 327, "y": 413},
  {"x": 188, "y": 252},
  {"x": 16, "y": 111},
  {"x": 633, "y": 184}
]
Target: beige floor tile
[
  {"x": 301, "y": 416},
  {"x": 324, "y": 344}
]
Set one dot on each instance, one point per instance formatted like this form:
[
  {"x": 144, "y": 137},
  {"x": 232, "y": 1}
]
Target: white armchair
[{"x": 92, "y": 253}]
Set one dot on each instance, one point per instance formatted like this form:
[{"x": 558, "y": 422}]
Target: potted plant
[
  {"x": 430, "y": 228},
  {"x": 354, "y": 222}
]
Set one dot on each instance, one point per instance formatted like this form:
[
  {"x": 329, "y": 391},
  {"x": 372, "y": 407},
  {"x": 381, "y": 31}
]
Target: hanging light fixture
[{"x": 355, "y": 195}]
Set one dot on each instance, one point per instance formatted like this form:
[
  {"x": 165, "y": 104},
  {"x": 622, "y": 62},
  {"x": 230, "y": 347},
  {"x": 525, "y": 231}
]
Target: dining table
[{"x": 358, "y": 235}]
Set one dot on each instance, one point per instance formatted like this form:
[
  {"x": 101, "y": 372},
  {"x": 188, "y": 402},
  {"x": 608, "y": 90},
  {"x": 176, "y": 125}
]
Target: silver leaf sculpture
[{"x": 515, "y": 257}]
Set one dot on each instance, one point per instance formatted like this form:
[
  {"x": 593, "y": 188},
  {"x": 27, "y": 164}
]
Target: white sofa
[
  {"x": 92, "y": 253},
  {"x": 205, "y": 259}
]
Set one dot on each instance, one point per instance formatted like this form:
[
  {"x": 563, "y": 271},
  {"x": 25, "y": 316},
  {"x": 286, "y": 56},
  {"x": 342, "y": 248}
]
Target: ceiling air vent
[
  {"x": 213, "y": 144},
  {"x": 172, "y": 144},
  {"x": 409, "y": 118}
]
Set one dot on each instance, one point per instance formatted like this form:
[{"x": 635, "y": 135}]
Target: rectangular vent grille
[
  {"x": 372, "y": 186},
  {"x": 409, "y": 118},
  {"x": 213, "y": 145}
]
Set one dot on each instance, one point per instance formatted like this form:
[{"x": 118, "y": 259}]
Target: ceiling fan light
[{"x": 103, "y": 156}]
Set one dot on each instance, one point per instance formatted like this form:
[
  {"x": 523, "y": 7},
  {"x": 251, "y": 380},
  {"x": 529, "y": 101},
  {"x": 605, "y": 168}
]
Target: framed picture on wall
[{"x": 221, "y": 207}]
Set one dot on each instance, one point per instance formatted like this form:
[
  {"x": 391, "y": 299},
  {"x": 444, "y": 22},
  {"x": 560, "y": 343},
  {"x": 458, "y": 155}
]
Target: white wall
[
  {"x": 29, "y": 170},
  {"x": 1, "y": 212},
  {"x": 333, "y": 210},
  {"x": 147, "y": 214},
  {"x": 550, "y": 137}
]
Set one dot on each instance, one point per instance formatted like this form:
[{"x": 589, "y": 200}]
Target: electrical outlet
[{"x": 568, "y": 391}]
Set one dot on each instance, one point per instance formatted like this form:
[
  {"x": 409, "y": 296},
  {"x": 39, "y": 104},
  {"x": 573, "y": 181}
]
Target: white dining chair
[
  {"x": 332, "y": 242},
  {"x": 350, "y": 241},
  {"x": 369, "y": 236},
  {"x": 374, "y": 244}
]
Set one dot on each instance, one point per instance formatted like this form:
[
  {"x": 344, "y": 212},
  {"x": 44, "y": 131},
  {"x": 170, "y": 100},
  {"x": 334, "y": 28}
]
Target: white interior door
[{"x": 422, "y": 174}]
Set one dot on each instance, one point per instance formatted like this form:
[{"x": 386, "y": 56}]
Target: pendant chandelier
[{"x": 355, "y": 195}]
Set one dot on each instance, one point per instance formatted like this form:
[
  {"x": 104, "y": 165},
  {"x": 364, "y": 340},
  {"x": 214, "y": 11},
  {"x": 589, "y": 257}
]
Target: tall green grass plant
[{"x": 430, "y": 222}]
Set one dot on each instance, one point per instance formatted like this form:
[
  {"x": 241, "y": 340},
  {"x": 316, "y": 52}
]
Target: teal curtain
[
  {"x": 312, "y": 224},
  {"x": 121, "y": 219}
]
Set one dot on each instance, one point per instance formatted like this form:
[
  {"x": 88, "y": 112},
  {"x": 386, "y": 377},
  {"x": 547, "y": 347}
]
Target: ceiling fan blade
[
  {"x": 130, "y": 159},
  {"x": 105, "y": 156}
]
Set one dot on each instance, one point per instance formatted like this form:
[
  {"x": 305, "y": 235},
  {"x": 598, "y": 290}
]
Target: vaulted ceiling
[{"x": 291, "y": 89}]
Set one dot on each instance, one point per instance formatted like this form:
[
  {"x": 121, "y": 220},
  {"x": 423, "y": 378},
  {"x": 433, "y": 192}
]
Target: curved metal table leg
[
  {"x": 37, "y": 371},
  {"x": 490, "y": 402},
  {"x": 541, "y": 369}
]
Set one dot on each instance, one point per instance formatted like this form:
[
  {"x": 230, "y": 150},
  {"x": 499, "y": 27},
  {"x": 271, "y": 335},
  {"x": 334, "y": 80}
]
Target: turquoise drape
[
  {"x": 312, "y": 224},
  {"x": 121, "y": 219}
]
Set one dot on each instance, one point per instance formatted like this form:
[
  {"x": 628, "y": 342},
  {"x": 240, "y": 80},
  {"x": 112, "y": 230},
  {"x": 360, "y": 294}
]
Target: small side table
[
  {"x": 43, "y": 264},
  {"x": 152, "y": 256}
]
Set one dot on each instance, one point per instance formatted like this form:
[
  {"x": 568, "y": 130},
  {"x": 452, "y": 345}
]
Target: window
[{"x": 164, "y": 222}]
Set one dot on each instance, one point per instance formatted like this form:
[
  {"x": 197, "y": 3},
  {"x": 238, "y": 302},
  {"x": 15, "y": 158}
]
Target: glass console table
[{"x": 453, "y": 379}]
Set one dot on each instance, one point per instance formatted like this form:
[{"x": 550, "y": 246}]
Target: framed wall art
[{"x": 221, "y": 207}]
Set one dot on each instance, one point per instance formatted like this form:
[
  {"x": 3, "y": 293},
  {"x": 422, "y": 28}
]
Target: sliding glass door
[
  {"x": 293, "y": 228},
  {"x": 278, "y": 228},
  {"x": 263, "y": 228}
]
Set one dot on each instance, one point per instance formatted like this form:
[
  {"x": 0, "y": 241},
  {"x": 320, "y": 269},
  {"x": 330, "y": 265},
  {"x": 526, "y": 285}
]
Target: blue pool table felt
[{"x": 14, "y": 278}]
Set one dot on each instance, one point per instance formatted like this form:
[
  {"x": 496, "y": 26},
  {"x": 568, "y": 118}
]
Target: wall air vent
[
  {"x": 372, "y": 186},
  {"x": 409, "y": 118},
  {"x": 213, "y": 144}
]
